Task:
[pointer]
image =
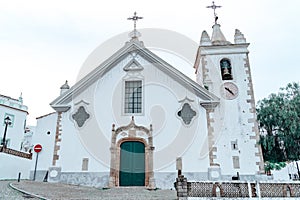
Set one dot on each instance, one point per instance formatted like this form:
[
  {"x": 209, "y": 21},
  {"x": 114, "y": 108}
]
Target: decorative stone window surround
[
  {"x": 80, "y": 116},
  {"x": 186, "y": 101},
  {"x": 133, "y": 99},
  {"x": 133, "y": 73},
  {"x": 78, "y": 108}
]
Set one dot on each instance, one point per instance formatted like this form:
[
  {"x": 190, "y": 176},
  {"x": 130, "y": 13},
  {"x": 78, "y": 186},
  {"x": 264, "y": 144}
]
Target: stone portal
[{"x": 131, "y": 156}]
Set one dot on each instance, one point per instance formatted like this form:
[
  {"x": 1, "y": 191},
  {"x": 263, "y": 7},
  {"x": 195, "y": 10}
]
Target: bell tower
[{"x": 223, "y": 68}]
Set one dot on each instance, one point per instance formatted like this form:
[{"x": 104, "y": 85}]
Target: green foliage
[
  {"x": 274, "y": 166},
  {"x": 279, "y": 122}
]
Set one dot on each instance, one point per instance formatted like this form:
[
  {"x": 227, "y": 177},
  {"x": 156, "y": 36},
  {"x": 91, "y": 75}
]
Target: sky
[{"x": 44, "y": 43}]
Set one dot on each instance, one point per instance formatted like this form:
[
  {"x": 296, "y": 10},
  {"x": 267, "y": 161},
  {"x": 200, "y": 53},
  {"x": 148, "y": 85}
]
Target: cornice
[{"x": 61, "y": 102}]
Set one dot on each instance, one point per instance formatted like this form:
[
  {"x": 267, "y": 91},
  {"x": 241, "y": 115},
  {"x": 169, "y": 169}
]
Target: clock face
[{"x": 229, "y": 90}]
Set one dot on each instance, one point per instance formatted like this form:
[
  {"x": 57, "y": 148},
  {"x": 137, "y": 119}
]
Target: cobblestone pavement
[
  {"x": 60, "y": 191},
  {"x": 7, "y": 193}
]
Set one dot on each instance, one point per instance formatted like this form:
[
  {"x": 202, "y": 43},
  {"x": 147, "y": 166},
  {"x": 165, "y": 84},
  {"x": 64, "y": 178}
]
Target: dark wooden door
[{"x": 132, "y": 164}]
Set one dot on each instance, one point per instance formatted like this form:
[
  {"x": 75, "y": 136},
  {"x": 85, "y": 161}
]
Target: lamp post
[{"x": 7, "y": 121}]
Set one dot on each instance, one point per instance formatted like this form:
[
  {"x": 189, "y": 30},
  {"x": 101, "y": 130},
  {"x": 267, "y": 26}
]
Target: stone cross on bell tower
[{"x": 214, "y": 7}]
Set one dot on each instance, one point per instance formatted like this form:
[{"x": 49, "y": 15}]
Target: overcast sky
[{"x": 44, "y": 43}]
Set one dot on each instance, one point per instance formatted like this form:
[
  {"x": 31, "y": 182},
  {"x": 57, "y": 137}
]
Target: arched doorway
[
  {"x": 131, "y": 156},
  {"x": 132, "y": 164}
]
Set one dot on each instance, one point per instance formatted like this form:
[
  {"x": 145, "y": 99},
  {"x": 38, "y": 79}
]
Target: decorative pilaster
[
  {"x": 253, "y": 120},
  {"x": 151, "y": 184},
  {"x": 57, "y": 141},
  {"x": 211, "y": 140},
  {"x": 112, "y": 176}
]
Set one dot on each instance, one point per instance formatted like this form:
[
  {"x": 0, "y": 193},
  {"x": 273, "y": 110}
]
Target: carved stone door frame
[{"x": 131, "y": 132}]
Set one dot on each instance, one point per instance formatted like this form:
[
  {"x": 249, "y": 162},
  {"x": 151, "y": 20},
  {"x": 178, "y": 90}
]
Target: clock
[{"x": 229, "y": 90}]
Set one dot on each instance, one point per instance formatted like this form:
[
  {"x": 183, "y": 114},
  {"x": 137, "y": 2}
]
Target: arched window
[{"x": 226, "y": 71}]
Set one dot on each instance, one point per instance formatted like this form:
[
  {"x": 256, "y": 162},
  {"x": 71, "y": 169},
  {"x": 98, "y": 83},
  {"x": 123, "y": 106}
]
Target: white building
[
  {"x": 289, "y": 172},
  {"x": 11, "y": 165},
  {"x": 126, "y": 122}
]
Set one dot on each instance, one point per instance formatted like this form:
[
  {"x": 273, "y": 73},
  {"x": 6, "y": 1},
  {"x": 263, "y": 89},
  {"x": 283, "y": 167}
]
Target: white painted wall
[
  {"x": 73, "y": 150},
  {"x": 11, "y": 166},
  {"x": 283, "y": 174},
  {"x": 103, "y": 101},
  {"x": 45, "y": 124}
]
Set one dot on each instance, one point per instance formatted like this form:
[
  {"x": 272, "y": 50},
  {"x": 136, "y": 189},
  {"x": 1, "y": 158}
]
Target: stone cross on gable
[{"x": 214, "y": 7}]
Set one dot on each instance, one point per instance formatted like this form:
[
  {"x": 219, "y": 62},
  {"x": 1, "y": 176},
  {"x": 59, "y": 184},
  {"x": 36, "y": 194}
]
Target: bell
[{"x": 225, "y": 72}]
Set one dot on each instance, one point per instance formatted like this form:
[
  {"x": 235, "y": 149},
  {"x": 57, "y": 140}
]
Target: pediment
[{"x": 132, "y": 49}]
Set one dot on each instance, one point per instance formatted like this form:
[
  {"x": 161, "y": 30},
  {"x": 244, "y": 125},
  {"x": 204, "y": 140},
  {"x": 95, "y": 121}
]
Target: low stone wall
[
  {"x": 218, "y": 189},
  {"x": 93, "y": 179},
  {"x": 243, "y": 198},
  {"x": 279, "y": 189},
  {"x": 165, "y": 180},
  {"x": 235, "y": 189}
]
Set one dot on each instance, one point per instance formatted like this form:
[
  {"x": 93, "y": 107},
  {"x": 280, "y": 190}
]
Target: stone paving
[
  {"x": 7, "y": 193},
  {"x": 63, "y": 191}
]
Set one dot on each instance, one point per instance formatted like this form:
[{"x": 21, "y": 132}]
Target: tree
[
  {"x": 279, "y": 122},
  {"x": 273, "y": 166}
]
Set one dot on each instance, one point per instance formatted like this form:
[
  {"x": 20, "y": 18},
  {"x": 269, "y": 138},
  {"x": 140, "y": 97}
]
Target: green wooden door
[{"x": 132, "y": 164}]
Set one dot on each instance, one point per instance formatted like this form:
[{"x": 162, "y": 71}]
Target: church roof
[{"x": 61, "y": 102}]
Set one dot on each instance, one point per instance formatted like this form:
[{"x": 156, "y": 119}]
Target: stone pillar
[
  {"x": 151, "y": 173},
  {"x": 179, "y": 165},
  {"x": 258, "y": 189},
  {"x": 150, "y": 165},
  {"x": 112, "y": 174},
  {"x": 181, "y": 188},
  {"x": 150, "y": 138},
  {"x": 249, "y": 189},
  {"x": 255, "y": 189}
]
